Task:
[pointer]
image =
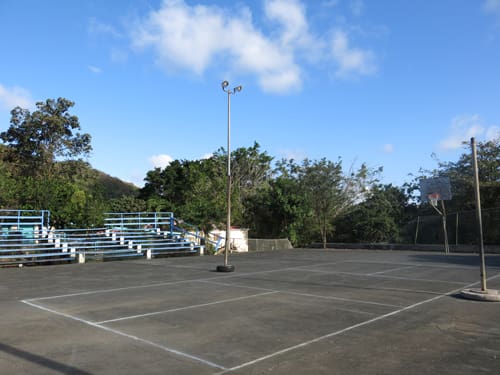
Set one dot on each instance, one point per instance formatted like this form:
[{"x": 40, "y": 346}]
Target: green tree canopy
[
  {"x": 36, "y": 139},
  {"x": 376, "y": 219},
  {"x": 196, "y": 190},
  {"x": 462, "y": 180}
]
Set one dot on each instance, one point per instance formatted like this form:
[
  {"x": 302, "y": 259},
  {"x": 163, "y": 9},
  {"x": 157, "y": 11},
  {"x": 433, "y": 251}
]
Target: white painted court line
[
  {"x": 97, "y": 291},
  {"x": 342, "y": 299},
  {"x": 386, "y": 277},
  {"x": 433, "y": 265},
  {"x": 309, "y": 295},
  {"x": 185, "y": 307},
  {"x": 347, "y": 329},
  {"x": 111, "y": 330},
  {"x": 390, "y": 270},
  {"x": 418, "y": 279}
]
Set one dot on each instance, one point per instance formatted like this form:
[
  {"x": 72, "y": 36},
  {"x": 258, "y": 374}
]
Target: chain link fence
[
  {"x": 461, "y": 228},
  {"x": 255, "y": 244}
]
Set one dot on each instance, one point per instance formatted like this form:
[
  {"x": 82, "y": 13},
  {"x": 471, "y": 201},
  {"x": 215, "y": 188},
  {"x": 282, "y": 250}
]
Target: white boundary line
[
  {"x": 212, "y": 364},
  {"x": 386, "y": 277},
  {"x": 96, "y": 325},
  {"x": 97, "y": 291},
  {"x": 350, "y": 328},
  {"x": 303, "y": 268},
  {"x": 186, "y": 307},
  {"x": 433, "y": 265},
  {"x": 390, "y": 270},
  {"x": 308, "y": 295},
  {"x": 416, "y": 279}
]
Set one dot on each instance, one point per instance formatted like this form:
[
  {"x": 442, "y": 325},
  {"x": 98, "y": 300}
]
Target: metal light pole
[{"x": 227, "y": 267}]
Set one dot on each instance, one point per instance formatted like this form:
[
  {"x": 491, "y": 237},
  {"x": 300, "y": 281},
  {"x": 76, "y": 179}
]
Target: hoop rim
[{"x": 433, "y": 198}]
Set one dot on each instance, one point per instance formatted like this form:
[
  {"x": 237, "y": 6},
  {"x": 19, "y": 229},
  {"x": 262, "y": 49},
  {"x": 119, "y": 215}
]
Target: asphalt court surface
[{"x": 295, "y": 311}]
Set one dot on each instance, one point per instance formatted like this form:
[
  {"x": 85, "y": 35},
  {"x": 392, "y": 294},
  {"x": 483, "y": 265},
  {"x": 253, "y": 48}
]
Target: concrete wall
[{"x": 239, "y": 238}]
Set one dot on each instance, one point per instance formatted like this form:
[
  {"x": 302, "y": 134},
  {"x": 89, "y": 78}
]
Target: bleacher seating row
[{"x": 137, "y": 235}]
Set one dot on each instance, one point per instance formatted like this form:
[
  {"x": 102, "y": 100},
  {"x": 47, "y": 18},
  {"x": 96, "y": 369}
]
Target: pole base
[
  {"x": 490, "y": 295},
  {"x": 225, "y": 268}
]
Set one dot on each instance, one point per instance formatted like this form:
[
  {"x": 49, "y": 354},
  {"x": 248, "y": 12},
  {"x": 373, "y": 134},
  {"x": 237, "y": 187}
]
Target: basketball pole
[
  {"x": 483, "y": 294},
  {"x": 442, "y": 213},
  {"x": 446, "y": 244},
  {"x": 478, "y": 213}
]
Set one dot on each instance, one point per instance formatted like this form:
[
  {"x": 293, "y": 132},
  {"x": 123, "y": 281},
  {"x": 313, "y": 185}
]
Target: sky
[{"x": 394, "y": 84}]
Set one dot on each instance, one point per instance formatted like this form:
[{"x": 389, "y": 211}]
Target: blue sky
[{"x": 383, "y": 82}]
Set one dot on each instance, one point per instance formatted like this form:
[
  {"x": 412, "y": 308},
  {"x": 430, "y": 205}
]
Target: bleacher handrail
[{"x": 123, "y": 235}]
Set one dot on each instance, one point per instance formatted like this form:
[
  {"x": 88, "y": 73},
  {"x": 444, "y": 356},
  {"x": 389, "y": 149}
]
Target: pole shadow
[{"x": 42, "y": 361}]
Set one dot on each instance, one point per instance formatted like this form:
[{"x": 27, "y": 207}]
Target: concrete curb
[{"x": 488, "y": 295}]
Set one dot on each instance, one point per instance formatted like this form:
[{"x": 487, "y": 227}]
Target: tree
[
  {"x": 37, "y": 139},
  {"x": 376, "y": 219},
  {"x": 330, "y": 193},
  {"x": 322, "y": 184},
  {"x": 196, "y": 189},
  {"x": 279, "y": 209},
  {"x": 461, "y": 177},
  {"x": 127, "y": 203},
  {"x": 8, "y": 183},
  {"x": 39, "y": 153},
  {"x": 250, "y": 170}
]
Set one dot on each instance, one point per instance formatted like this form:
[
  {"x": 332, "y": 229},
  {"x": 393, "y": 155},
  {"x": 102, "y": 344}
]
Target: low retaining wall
[{"x": 491, "y": 249}]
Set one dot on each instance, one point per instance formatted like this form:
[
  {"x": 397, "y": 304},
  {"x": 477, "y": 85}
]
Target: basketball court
[{"x": 296, "y": 311}]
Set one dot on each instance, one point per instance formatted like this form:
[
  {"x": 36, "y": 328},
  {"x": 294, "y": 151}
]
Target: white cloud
[
  {"x": 388, "y": 148},
  {"x": 198, "y": 37},
  {"x": 15, "y": 97},
  {"x": 160, "y": 161},
  {"x": 195, "y": 37},
  {"x": 96, "y": 27},
  {"x": 95, "y": 69},
  {"x": 492, "y": 6},
  {"x": 207, "y": 156},
  {"x": 464, "y": 127},
  {"x": 290, "y": 15},
  {"x": 350, "y": 61}
]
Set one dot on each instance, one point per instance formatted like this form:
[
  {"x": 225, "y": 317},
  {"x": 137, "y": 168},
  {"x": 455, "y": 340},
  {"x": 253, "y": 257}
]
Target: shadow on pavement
[{"x": 42, "y": 361}]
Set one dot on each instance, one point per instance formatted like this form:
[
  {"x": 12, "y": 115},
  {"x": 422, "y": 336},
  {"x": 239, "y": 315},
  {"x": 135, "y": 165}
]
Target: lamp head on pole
[{"x": 225, "y": 85}]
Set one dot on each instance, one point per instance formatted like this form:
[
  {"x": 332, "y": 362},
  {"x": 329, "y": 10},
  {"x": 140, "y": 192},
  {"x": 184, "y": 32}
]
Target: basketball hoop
[{"x": 433, "y": 198}]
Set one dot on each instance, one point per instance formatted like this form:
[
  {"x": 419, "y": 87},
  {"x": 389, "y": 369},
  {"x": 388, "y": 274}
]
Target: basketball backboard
[{"x": 436, "y": 185}]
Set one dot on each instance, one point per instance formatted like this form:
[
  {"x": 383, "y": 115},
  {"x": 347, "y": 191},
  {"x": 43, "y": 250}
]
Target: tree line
[{"x": 42, "y": 167}]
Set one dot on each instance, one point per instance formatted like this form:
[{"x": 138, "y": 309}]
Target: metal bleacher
[{"x": 27, "y": 238}]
